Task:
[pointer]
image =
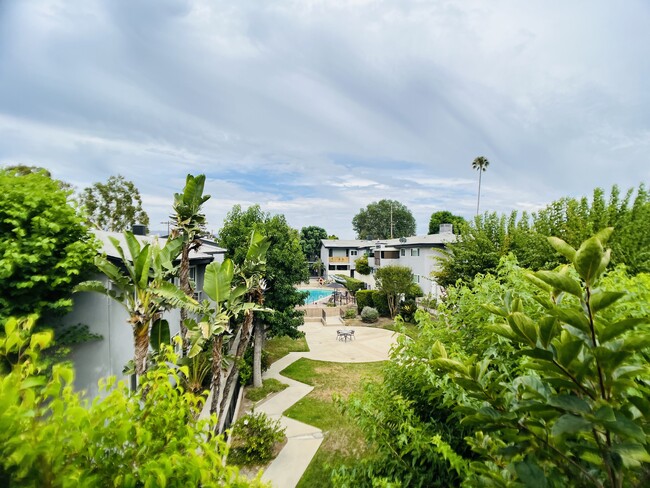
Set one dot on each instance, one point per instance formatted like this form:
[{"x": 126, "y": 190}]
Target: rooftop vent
[{"x": 446, "y": 228}]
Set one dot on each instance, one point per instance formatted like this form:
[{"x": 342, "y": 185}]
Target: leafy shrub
[
  {"x": 352, "y": 284},
  {"x": 350, "y": 313},
  {"x": 414, "y": 291},
  {"x": 380, "y": 302},
  {"x": 407, "y": 309},
  {"x": 253, "y": 438},
  {"x": 51, "y": 436},
  {"x": 246, "y": 366},
  {"x": 364, "y": 299},
  {"x": 369, "y": 315},
  {"x": 362, "y": 266}
]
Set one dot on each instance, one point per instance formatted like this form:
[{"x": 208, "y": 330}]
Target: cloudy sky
[{"x": 314, "y": 109}]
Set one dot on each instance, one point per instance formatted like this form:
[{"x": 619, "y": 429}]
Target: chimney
[
  {"x": 446, "y": 228},
  {"x": 139, "y": 229}
]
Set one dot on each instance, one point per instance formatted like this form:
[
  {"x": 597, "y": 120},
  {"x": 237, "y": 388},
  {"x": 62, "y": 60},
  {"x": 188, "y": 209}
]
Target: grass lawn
[
  {"x": 278, "y": 347},
  {"x": 343, "y": 441},
  {"x": 268, "y": 386}
]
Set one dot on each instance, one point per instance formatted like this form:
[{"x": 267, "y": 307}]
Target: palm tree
[
  {"x": 189, "y": 224},
  {"x": 480, "y": 164}
]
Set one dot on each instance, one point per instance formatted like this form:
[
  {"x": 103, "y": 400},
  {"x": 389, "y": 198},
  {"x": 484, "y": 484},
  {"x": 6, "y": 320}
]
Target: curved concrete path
[{"x": 304, "y": 440}]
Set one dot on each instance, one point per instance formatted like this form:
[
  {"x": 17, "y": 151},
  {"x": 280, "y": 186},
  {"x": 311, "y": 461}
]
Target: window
[
  {"x": 415, "y": 251},
  {"x": 416, "y": 278},
  {"x": 353, "y": 253},
  {"x": 331, "y": 252},
  {"x": 342, "y": 267},
  {"x": 402, "y": 252},
  {"x": 332, "y": 267}
]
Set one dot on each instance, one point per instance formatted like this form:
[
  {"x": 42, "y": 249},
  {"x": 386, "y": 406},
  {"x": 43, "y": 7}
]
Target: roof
[
  {"x": 206, "y": 252},
  {"x": 352, "y": 244},
  {"x": 388, "y": 244}
]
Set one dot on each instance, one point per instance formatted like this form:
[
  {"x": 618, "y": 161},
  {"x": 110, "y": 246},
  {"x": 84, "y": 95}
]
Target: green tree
[
  {"x": 115, "y": 205},
  {"x": 310, "y": 238},
  {"x": 384, "y": 219},
  {"x": 332, "y": 236},
  {"x": 44, "y": 246},
  {"x": 361, "y": 265},
  {"x": 286, "y": 265},
  {"x": 141, "y": 285},
  {"x": 445, "y": 217},
  {"x": 52, "y": 436},
  {"x": 189, "y": 225},
  {"x": 480, "y": 164},
  {"x": 394, "y": 282}
]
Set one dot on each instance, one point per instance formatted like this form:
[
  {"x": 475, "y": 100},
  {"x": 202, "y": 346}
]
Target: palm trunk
[
  {"x": 478, "y": 201},
  {"x": 141, "y": 346},
  {"x": 244, "y": 341},
  {"x": 257, "y": 354},
  {"x": 184, "y": 277},
  {"x": 217, "y": 346}
]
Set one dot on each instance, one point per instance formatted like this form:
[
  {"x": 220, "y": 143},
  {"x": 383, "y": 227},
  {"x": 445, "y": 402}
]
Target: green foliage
[
  {"x": 413, "y": 291},
  {"x": 374, "y": 222},
  {"x": 44, "y": 247},
  {"x": 369, "y": 315},
  {"x": 351, "y": 284},
  {"x": 246, "y": 366},
  {"x": 115, "y": 205},
  {"x": 253, "y": 439},
  {"x": 196, "y": 372},
  {"x": 575, "y": 410},
  {"x": 361, "y": 265},
  {"x": 380, "y": 302},
  {"x": 52, "y": 436},
  {"x": 491, "y": 236},
  {"x": 286, "y": 265},
  {"x": 364, "y": 299},
  {"x": 310, "y": 241},
  {"x": 350, "y": 313},
  {"x": 394, "y": 282},
  {"x": 445, "y": 217},
  {"x": 407, "y": 309}
]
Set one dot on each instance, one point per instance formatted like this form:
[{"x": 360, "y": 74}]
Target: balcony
[{"x": 339, "y": 259}]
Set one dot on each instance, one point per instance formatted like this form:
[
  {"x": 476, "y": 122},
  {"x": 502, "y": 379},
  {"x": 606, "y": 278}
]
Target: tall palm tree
[
  {"x": 480, "y": 164},
  {"x": 189, "y": 224}
]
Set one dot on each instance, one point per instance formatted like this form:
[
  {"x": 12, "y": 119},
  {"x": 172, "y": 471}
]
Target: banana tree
[
  {"x": 141, "y": 286},
  {"x": 229, "y": 291},
  {"x": 189, "y": 225}
]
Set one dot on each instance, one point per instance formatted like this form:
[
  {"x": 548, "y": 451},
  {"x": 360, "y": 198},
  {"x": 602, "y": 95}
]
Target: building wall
[
  {"x": 108, "y": 356},
  {"x": 422, "y": 266}
]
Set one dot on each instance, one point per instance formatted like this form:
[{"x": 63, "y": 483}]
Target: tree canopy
[
  {"x": 286, "y": 265},
  {"x": 445, "y": 217},
  {"x": 115, "y": 205},
  {"x": 310, "y": 238},
  {"x": 394, "y": 281},
  {"x": 374, "y": 221},
  {"x": 44, "y": 246}
]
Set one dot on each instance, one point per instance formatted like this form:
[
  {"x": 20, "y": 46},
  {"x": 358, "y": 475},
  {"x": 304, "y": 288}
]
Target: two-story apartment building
[{"x": 419, "y": 253}]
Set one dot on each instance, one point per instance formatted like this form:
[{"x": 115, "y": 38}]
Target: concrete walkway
[{"x": 304, "y": 440}]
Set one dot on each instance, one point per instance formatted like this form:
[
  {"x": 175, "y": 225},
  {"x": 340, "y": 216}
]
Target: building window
[
  {"x": 332, "y": 267},
  {"x": 342, "y": 267},
  {"x": 402, "y": 252},
  {"x": 353, "y": 253},
  {"x": 331, "y": 252},
  {"x": 416, "y": 278},
  {"x": 415, "y": 251}
]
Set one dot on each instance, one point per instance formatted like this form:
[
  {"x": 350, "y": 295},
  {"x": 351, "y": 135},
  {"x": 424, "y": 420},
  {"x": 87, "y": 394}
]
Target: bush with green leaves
[
  {"x": 380, "y": 302},
  {"x": 51, "y": 436},
  {"x": 254, "y": 437},
  {"x": 369, "y": 315},
  {"x": 352, "y": 284},
  {"x": 362, "y": 267},
  {"x": 246, "y": 366},
  {"x": 577, "y": 410},
  {"x": 364, "y": 299},
  {"x": 407, "y": 309},
  {"x": 350, "y": 313}
]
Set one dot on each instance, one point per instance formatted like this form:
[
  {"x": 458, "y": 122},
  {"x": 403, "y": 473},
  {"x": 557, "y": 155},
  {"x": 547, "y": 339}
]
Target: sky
[{"x": 314, "y": 109}]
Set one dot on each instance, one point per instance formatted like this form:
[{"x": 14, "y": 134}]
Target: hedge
[{"x": 364, "y": 299}]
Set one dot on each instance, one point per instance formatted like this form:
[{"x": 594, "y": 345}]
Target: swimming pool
[{"x": 315, "y": 295}]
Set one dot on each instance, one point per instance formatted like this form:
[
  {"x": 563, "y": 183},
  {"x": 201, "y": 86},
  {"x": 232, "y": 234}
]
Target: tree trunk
[
  {"x": 257, "y": 354},
  {"x": 186, "y": 286},
  {"x": 217, "y": 346},
  {"x": 141, "y": 346},
  {"x": 244, "y": 341}
]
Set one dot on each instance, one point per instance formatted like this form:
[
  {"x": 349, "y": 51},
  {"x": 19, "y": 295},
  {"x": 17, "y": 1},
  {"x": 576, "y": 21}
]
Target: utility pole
[
  {"x": 391, "y": 220},
  {"x": 167, "y": 222}
]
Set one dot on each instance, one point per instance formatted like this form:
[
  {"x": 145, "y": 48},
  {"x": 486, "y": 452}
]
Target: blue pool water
[{"x": 315, "y": 295}]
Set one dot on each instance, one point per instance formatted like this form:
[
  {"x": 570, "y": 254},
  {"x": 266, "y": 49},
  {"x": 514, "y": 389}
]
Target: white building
[{"x": 419, "y": 253}]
